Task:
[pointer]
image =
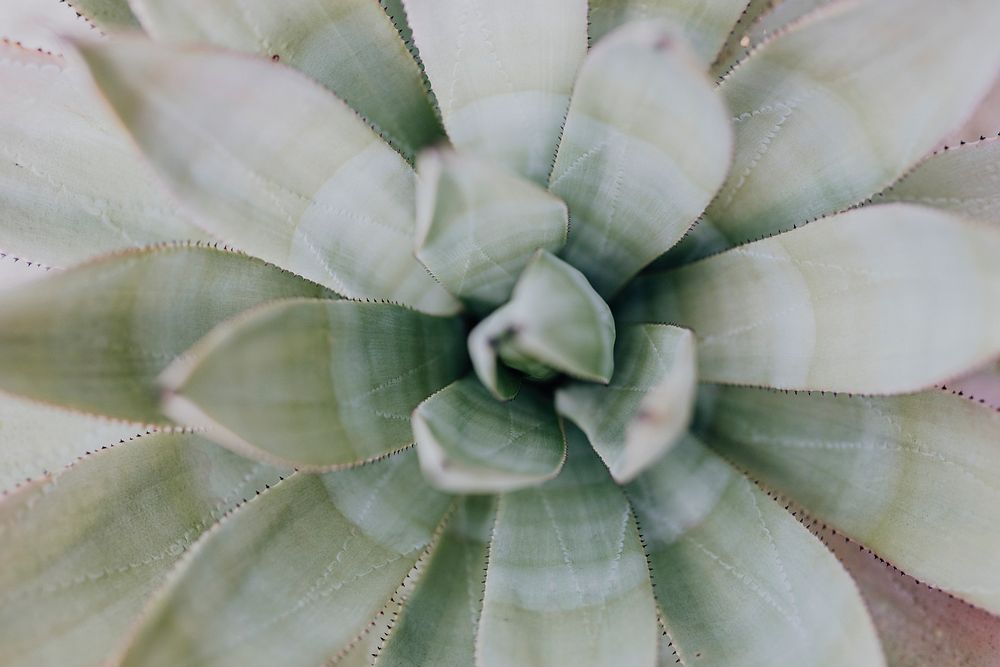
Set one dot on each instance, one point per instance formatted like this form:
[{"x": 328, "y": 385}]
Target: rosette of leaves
[{"x": 453, "y": 332}]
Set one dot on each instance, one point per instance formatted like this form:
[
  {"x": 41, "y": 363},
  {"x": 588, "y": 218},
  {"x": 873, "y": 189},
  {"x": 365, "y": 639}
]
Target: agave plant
[{"x": 454, "y": 332}]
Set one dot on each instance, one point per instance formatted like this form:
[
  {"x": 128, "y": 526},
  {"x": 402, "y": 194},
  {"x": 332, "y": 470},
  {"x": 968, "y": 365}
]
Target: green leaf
[
  {"x": 296, "y": 574},
  {"x": 469, "y": 442},
  {"x": 350, "y": 46},
  {"x": 883, "y": 299},
  {"x": 282, "y": 169},
  {"x": 55, "y": 207},
  {"x": 763, "y": 20},
  {"x": 820, "y": 127},
  {"x": 36, "y": 439},
  {"x": 913, "y": 478},
  {"x": 439, "y": 622},
  {"x": 705, "y": 25},
  {"x": 738, "y": 579},
  {"x": 554, "y": 320},
  {"x": 95, "y": 337},
  {"x": 108, "y": 15},
  {"x": 83, "y": 549},
  {"x": 479, "y": 224},
  {"x": 964, "y": 179},
  {"x": 315, "y": 384},
  {"x": 502, "y": 73},
  {"x": 648, "y": 405},
  {"x": 567, "y": 582},
  {"x": 644, "y": 120}
]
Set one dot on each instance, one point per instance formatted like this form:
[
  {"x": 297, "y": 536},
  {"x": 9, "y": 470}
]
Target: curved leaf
[
  {"x": 913, "y": 478},
  {"x": 314, "y": 547},
  {"x": 469, "y": 442},
  {"x": 315, "y": 384},
  {"x": 478, "y": 225},
  {"x": 763, "y": 20},
  {"x": 646, "y": 145},
  {"x": 566, "y": 581},
  {"x": 282, "y": 169},
  {"x": 349, "y": 46},
  {"x": 95, "y": 337},
  {"x": 882, "y": 299},
  {"x": 738, "y": 579},
  {"x": 106, "y": 14},
  {"x": 647, "y": 406},
  {"x": 83, "y": 549},
  {"x": 502, "y": 73}
]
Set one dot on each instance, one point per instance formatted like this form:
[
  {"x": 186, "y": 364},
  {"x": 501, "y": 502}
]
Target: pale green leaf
[
  {"x": 108, "y": 15},
  {"x": 820, "y": 126},
  {"x": 648, "y": 404},
  {"x": 439, "y": 623},
  {"x": 95, "y": 337},
  {"x": 554, "y": 320},
  {"x": 42, "y": 25},
  {"x": 315, "y": 384},
  {"x": 738, "y": 580},
  {"x": 396, "y": 12},
  {"x": 282, "y": 169},
  {"x": 764, "y": 20},
  {"x": 882, "y": 299},
  {"x": 567, "y": 582},
  {"x": 469, "y": 442},
  {"x": 646, "y": 145},
  {"x": 296, "y": 574},
  {"x": 56, "y": 208},
  {"x": 350, "y": 46},
  {"x": 705, "y": 24},
  {"x": 738, "y": 39},
  {"x": 502, "y": 73},
  {"x": 83, "y": 549},
  {"x": 913, "y": 478},
  {"x": 479, "y": 224}
]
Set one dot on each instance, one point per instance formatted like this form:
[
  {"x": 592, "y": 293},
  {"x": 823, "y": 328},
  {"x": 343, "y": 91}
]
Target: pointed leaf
[
  {"x": 282, "y": 169},
  {"x": 469, "y": 442},
  {"x": 883, "y": 299},
  {"x": 256, "y": 591},
  {"x": 83, "y": 549},
  {"x": 764, "y": 19},
  {"x": 42, "y": 25},
  {"x": 315, "y": 384},
  {"x": 910, "y": 477},
  {"x": 439, "y": 623},
  {"x": 55, "y": 207},
  {"x": 645, "y": 147},
  {"x": 106, "y": 14},
  {"x": 502, "y": 73},
  {"x": 567, "y": 582},
  {"x": 738, "y": 579},
  {"x": 95, "y": 337},
  {"x": 478, "y": 225},
  {"x": 349, "y": 46},
  {"x": 820, "y": 127},
  {"x": 648, "y": 405}
]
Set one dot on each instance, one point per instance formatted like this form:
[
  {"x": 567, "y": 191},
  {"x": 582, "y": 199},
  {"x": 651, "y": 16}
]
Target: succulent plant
[{"x": 453, "y": 332}]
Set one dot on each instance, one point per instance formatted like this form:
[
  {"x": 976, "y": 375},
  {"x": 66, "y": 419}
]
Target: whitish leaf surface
[
  {"x": 648, "y": 404},
  {"x": 820, "y": 127},
  {"x": 964, "y": 179},
  {"x": 738, "y": 579},
  {"x": 439, "y": 623},
  {"x": 83, "y": 549},
  {"x": 55, "y": 207},
  {"x": 645, "y": 147},
  {"x": 314, "y": 547},
  {"x": 42, "y": 25},
  {"x": 469, "y": 442},
  {"x": 763, "y": 20},
  {"x": 315, "y": 384},
  {"x": 704, "y": 24},
  {"x": 95, "y": 337},
  {"x": 913, "y": 478},
  {"x": 502, "y": 73},
  {"x": 479, "y": 224},
  {"x": 36, "y": 439},
  {"x": 567, "y": 582},
  {"x": 281, "y": 168},
  {"x": 882, "y": 299},
  {"x": 349, "y": 46},
  {"x": 554, "y": 320}
]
